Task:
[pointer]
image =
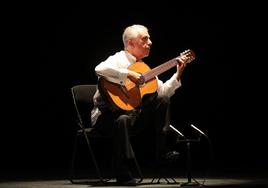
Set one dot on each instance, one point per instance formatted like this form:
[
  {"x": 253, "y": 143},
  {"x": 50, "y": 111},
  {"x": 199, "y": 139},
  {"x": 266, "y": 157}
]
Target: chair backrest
[{"x": 83, "y": 102}]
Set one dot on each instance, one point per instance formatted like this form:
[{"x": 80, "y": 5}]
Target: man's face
[{"x": 142, "y": 45}]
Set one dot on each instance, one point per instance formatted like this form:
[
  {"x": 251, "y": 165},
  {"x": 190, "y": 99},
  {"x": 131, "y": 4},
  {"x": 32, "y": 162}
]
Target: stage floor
[{"x": 147, "y": 182}]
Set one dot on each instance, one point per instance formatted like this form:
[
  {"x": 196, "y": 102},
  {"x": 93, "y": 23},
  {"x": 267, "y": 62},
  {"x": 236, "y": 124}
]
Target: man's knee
[
  {"x": 164, "y": 100},
  {"x": 123, "y": 120}
]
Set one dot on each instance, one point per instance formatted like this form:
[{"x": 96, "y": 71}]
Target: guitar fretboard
[{"x": 160, "y": 69}]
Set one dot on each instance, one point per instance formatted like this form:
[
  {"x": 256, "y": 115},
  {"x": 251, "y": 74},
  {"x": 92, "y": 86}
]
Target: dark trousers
[{"x": 151, "y": 118}]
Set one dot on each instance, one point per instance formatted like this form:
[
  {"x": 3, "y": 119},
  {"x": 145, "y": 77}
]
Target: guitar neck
[{"x": 160, "y": 69}]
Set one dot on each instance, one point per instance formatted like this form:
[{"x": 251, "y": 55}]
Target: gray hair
[{"x": 132, "y": 31}]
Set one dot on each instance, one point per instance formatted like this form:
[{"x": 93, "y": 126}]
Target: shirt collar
[{"x": 130, "y": 57}]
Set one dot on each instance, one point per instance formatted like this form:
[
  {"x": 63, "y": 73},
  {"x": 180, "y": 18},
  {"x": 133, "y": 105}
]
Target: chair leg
[
  {"x": 93, "y": 158},
  {"x": 73, "y": 160}
]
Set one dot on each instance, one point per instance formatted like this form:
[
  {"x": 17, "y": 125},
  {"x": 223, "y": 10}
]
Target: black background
[{"x": 218, "y": 94}]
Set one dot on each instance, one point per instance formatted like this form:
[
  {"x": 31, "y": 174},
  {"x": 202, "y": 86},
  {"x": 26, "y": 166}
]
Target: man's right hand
[{"x": 134, "y": 77}]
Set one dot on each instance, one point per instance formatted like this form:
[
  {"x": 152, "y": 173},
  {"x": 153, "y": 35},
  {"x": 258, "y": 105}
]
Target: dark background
[{"x": 217, "y": 93}]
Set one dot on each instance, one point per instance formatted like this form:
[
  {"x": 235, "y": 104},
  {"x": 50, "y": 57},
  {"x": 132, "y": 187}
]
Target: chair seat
[
  {"x": 92, "y": 132},
  {"x": 88, "y": 130}
]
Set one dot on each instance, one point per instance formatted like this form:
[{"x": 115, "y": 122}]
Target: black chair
[{"x": 82, "y": 96}]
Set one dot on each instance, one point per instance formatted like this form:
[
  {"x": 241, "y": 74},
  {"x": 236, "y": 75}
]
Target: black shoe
[{"x": 129, "y": 182}]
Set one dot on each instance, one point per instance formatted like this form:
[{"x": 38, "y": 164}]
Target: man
[{"x": 152, "y": 113}]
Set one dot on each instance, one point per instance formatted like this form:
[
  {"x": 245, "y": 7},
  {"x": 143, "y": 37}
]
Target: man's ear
[{"x": 131, "y": 43}]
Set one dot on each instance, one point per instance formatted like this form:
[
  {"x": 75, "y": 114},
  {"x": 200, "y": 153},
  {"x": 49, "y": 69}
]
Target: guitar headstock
[{"x": 186, "y": 56}]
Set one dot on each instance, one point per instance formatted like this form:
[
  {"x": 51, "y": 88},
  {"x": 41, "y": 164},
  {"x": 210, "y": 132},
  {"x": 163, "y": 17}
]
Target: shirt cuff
[
  {"x": 174, "y": 82},
  {"x": 122, "y": 76}
]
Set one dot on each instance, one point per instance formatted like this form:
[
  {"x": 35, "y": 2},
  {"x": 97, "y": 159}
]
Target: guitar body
[{"x": 130, "y": 96}]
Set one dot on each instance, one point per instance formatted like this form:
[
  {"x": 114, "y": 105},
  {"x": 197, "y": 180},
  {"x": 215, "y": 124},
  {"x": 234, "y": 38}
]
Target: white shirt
[{"x": 115, "y": 69}]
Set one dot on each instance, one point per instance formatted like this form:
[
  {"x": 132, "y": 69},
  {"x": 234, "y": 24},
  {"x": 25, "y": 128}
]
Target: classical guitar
[{"x": 129, "y": 96}]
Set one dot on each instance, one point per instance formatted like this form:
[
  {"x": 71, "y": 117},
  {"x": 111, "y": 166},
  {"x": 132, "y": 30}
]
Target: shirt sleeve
[
  {"x": 114, "y": 69},
  {"x": 169, "y": 87}
]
